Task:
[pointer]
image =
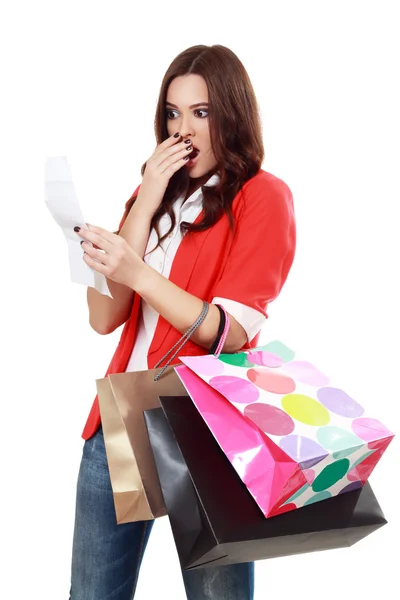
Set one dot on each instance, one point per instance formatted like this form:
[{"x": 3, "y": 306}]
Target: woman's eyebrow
[{"x": 192, "y": 106}]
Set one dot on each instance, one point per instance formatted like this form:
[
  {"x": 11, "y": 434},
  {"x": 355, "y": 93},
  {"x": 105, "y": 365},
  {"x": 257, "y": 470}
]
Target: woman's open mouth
[{"x": 193, "y": 157}]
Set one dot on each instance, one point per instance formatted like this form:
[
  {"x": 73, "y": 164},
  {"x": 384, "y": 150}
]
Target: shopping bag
[
  {"x": 214, "y": 519},
  {"x": 122, "y": 398},
  {"x": 293, "y": 436}
]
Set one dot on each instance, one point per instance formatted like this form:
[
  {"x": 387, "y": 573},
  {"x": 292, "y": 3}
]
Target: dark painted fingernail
[
  {"x": 77, "y": 229},
  {"x": 189, "y": 148},
  {"x": 176, "y": 134},
  {"x": 186, "y": 158},
  {"x": 187, "y": 141},
  {"x": 81, "y": 242}
]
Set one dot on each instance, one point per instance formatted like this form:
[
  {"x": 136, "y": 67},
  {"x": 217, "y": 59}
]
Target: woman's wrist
[
  {"x": 144, "y": 280},
  {"x": 138, "y": 217},
  {"x": 140, "y": 276},
  {"x": 144, "y": 207}
]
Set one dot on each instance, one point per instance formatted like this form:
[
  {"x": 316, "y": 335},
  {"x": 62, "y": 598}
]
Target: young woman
[{"x": 205, "y": 224}]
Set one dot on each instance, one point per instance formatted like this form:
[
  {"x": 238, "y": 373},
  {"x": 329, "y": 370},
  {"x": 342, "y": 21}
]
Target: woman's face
[{"x": 186, "y": 111}]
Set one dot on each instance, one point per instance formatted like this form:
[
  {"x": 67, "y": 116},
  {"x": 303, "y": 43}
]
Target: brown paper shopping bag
[{"x": 122, "y": 398}]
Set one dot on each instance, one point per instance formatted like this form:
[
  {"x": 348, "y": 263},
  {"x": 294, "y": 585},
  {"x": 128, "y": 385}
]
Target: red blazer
[{"x": 250, "y": 267}]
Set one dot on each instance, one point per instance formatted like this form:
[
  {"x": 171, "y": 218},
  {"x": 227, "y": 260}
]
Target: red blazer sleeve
[{"x": 263, "y": 246}]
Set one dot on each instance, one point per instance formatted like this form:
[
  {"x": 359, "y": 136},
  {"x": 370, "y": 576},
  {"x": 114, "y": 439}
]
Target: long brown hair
[{"x": 235, "y": 132}]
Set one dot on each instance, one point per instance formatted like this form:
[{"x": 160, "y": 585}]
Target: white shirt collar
[{"x": 214, "y": 179}]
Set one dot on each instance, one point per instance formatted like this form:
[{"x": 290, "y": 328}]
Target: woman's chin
[{"x": 196, "y": 171}]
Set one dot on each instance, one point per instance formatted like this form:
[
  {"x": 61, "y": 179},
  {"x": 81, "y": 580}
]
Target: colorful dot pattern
[{"x": 293, "y": 403}]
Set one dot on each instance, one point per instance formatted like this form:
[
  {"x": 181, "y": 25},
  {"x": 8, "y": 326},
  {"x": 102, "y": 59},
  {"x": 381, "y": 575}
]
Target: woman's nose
[{"x": 186, "y": 128}]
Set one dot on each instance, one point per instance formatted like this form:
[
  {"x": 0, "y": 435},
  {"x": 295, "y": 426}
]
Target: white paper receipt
[{"x": 63, "y": 204}]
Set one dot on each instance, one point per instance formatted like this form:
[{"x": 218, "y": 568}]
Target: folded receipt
[{"x": 63, "y": 204}]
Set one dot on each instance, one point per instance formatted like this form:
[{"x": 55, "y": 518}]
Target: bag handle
[
  {"x": 227, "y": 324},
  {"x": 223, "y": 329},
  {"x": 222, "y": 322},
  {"x": 180, "y": 343},
  {"x": 217, "y": 345}
]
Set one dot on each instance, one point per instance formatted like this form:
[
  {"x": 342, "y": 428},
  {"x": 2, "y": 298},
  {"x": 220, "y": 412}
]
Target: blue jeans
[{"x": 106, "y": 557}]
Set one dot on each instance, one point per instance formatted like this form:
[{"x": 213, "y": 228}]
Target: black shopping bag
[{"x": 214, "y": 519}]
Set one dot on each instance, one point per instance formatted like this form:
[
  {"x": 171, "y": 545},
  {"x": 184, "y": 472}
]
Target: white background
[{"x": 81, "y": 79}]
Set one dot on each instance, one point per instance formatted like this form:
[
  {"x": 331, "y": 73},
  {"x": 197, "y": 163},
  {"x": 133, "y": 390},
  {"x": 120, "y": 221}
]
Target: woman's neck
[{"x": 195, "y": 184}]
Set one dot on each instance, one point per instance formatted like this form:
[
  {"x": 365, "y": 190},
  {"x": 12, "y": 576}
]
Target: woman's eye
[
  {"x": 202, "y": 110},
  {"x": 202, "y": 113}
]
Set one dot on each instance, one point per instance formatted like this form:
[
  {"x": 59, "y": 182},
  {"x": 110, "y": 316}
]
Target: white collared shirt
[{"x": 161, "y": 261}]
